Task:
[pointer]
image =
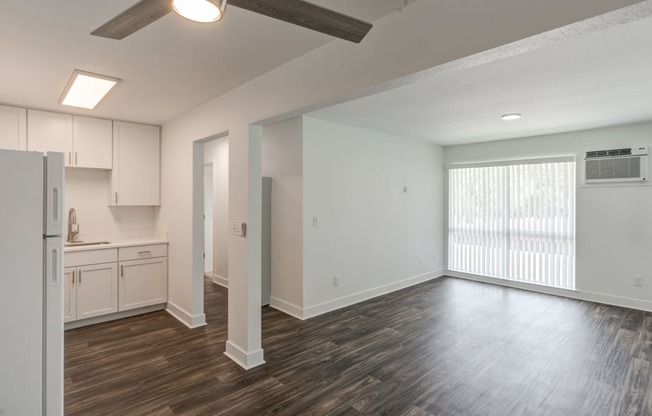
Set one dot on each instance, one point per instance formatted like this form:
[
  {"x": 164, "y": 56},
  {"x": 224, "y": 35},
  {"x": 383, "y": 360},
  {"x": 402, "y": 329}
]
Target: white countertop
[{"x": 116, "y": 243}]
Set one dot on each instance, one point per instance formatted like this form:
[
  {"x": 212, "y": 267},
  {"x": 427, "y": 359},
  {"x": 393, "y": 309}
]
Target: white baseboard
[
  {"x": 286, "y": 307},
  {"x": 222, "y": 281},
  {"x": 354, "y": 298},
  {"x": 112, "y": 316},
  {"x": 242, "y": 358},
  {"x": 185, "y": 318},
  {"x": 573, "y": 294}
]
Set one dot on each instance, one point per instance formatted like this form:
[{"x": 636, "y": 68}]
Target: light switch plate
[{"x": 238, "y": 228}]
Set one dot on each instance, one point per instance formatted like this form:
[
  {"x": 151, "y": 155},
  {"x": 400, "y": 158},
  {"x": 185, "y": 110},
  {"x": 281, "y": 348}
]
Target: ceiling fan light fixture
[{"x": 202, "y": 11}]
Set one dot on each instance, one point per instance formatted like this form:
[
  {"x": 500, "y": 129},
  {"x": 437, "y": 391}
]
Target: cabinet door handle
[
  {"x": 80, "y": 278},
  {"x": 116, "y": 198},
  {"x": 73, "y": 277},
  {"x": 144, "y": 253},
  {"x": 75, "y": 158},
  {"x": 69, "y": 158},
  {"x": 122, "y": 271}
]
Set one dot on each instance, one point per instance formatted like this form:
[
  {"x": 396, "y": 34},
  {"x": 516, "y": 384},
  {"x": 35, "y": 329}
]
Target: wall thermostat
[{"x": 239, "y": 228}]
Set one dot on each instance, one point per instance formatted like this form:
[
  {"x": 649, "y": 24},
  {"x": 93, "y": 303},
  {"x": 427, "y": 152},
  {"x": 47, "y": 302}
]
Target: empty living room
[{"x": 326, "y": 207}]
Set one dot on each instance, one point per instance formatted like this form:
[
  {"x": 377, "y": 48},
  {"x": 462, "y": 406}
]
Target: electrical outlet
[
  {"x": 638, "y": 281},
  {"x": 336, "y": 281},
  {"x": 315, "y": 222}
]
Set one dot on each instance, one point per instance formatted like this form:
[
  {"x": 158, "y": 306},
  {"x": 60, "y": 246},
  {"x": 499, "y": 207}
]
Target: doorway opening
[
  {"x": 208, "y": 220},
  {"x": 216, "y": 210}
]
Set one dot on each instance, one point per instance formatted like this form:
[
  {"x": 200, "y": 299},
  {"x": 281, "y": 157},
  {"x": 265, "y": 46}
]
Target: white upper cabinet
[
  {"x": 50, "y": 132},
  {"x": 135, "y": 179},
  {"x": 13, "y": 128},
  {"x": 86, "y": 142},
  {"x": 92, "y": 142}
]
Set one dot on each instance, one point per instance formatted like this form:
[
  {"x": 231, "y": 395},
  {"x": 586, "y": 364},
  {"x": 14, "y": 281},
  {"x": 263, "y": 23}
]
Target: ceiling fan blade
[
  {"x": 308, "y": 15},
  {"x": 133, "y": 19}
]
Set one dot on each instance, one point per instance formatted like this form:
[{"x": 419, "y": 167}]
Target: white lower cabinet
[
  {"x": 90, "y": 291},
  {"x": 69, "y": 294},
  {"x": 124, "y": 279},
  {"x": 143, "y": 283},
  {"x": 143, "y": 276},
  {"x": 97, "y": 290}
]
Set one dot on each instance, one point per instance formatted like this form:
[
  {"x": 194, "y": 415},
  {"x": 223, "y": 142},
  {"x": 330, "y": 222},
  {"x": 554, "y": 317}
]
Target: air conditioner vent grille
[
  {"x": 621, "y": 168},
  {"x": 616, "y": 165},
  {"x": 606, "y": 153}
]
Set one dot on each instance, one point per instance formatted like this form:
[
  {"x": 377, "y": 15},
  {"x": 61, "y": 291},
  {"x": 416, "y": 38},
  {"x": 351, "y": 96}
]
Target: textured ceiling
[{"x": 595, "y": 80}]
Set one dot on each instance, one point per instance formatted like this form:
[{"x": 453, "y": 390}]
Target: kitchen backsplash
[{"x": 87, "y": 190}]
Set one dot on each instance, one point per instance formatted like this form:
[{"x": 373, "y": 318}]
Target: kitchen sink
[{"x": 85, "y": 243}]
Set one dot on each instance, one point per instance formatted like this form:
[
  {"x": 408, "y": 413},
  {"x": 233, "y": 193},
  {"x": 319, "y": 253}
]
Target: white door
[
  {"x": 143, "y": 283},
  {"x": 97, "y": 290},
  {"x": 69, "y": 294}
]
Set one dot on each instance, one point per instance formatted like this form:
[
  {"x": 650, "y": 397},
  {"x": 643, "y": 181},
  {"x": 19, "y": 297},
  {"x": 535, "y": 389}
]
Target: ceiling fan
[{"x": 298, "y": 12}]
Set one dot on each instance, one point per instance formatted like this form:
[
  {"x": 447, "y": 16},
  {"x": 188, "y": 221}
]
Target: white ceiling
[
  {"x": 166, "y": 68},
  {"x": 600, "y": 79}
]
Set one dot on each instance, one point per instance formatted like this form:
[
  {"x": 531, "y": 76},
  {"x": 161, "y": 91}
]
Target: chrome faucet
[{"x": 73, "y": 227}]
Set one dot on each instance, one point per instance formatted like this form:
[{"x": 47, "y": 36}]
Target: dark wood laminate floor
[{"x": 446, "y": 347}]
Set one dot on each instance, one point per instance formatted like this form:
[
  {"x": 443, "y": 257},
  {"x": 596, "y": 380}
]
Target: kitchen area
[{"x": 115, "y": 261}]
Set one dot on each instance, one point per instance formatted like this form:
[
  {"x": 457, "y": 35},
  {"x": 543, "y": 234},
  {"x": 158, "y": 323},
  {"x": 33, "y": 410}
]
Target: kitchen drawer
[
  {"x": 143, "y": 252},
  {"x": 81, "y": 258}
]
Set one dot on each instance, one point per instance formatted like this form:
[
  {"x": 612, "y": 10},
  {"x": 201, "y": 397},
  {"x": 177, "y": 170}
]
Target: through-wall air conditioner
[{"x": 628, "y": 164}]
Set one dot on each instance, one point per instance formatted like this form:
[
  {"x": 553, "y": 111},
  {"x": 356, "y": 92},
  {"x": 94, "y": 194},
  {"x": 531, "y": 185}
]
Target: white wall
[
  {"x": 399, "y": 45},
  {"x": 614, "y": 225},
  {"x": 371, "y": 234},
  {"x": 87, "y": 190},
  {"x": 283, "y": 162},
  {"x": 216, "y": 152}
]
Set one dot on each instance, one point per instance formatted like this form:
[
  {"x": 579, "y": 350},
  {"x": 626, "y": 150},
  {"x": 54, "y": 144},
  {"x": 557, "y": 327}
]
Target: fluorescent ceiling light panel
[{"x": 86, "y": 90}]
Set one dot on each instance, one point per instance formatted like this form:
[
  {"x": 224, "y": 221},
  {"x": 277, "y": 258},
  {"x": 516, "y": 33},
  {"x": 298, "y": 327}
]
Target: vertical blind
[{"x": 514, "y": 221}]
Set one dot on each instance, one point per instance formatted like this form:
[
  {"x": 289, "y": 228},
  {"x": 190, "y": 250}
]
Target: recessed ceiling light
[
  {"x": 86, "y": 90},
  {"x": 511, "y": 116},
  {"x": 202, "y": 11}
]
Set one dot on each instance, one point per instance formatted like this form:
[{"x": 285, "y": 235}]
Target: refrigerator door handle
[
  {"x": 54, "y": 184},
  {"x": 56, "y": 205},
  {"x": 54, "y": 259}
]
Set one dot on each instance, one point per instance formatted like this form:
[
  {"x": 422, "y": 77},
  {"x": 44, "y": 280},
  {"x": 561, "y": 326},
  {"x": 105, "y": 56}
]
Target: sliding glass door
[{"x": 514, "y": 220}]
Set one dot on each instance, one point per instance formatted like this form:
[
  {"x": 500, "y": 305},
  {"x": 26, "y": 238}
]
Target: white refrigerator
[{"x": 31, "y": 287}]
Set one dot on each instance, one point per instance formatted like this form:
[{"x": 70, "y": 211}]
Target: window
[{"x": 514, "y": 221}]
